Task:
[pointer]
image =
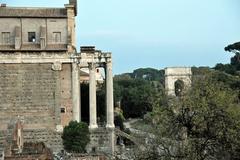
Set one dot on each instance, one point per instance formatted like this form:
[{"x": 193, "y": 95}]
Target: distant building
[
  {"x": 174, "y": 74},
  {"x": 84, "y": 76}
]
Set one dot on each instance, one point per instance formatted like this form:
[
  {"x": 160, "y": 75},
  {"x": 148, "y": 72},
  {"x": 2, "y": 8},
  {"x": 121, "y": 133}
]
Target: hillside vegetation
[{"x": 203, "y": 123}]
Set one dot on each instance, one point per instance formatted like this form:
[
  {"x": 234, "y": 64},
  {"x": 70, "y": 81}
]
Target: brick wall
[{"x": 35, "y": 93}]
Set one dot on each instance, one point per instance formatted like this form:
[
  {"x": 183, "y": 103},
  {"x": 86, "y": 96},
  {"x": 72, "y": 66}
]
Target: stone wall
[
  {"x": 50, "y": 138},
  {"x": 66, "y": 94},
  {"x": 33, "y": 25},
  {"x": 35, "y": 93},
  {"x": 2, "y": 142},
  {"x": 102, "y": 140},
  {"x": 86, "y": 157}
]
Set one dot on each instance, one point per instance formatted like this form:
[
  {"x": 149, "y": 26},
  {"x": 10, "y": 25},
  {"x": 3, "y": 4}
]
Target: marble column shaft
[
  {"x": 109, "y": 91},
  {"x": 92, "y": 97},
  {"x": 76, "y": 93}
]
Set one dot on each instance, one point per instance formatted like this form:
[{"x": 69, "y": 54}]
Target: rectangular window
[
  {"x": 63, "y": 110},
  {"x": 6, "y": 37},
  {"x": 31, "y": 37},
  {"x": 57, "y": 37}
]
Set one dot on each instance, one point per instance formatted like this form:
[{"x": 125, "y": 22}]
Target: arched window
[{"x": 179, "y": 87}]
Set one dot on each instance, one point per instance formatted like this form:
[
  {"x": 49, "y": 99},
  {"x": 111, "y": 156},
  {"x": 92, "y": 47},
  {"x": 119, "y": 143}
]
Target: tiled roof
[{"x": 33, "y": 12}]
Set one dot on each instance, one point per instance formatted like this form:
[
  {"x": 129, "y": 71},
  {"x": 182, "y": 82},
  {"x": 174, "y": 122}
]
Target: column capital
[
  {"x": 108, "y": 60},
  {"x": 75, "y": 66},
  {"x": 57, "y": 66}
]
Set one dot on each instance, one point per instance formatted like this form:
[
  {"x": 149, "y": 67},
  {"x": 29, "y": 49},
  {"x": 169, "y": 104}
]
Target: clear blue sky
[{"x": 155, "y": 33}]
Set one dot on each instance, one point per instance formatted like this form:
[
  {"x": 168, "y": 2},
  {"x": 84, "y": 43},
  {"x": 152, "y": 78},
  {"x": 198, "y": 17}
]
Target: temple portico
[
  {"x": 40, "y": 81},
  {"x": 92, "y": 59}
]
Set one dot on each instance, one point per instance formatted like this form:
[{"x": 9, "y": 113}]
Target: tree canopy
[
  {"x": 139, "y": 91},
  {"x": 137, "y": 96},
  {"x": 233, "y": 67},
  {"x": 202, "y": 124},
  {"x": 233, "y": 47}
]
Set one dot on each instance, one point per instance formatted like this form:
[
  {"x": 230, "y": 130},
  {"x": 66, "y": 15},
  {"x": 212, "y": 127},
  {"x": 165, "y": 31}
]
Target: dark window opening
[
  {"x": 63, "y": 110},
  {"x": 31, "y": 37}
]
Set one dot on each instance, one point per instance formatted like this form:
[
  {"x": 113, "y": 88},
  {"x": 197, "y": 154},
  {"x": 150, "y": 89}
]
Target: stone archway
[
  {"x": 183, "y": 75},
  {"x": 179, "y": 87}
]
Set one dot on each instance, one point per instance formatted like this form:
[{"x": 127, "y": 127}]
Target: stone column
[
  {"x": 76, "y": 92},
  {"x": 109, "y": 91},
  {"x": 92, "y": 97}
]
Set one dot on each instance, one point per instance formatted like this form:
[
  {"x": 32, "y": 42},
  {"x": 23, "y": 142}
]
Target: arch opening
[{"x": 178, "y": 87}]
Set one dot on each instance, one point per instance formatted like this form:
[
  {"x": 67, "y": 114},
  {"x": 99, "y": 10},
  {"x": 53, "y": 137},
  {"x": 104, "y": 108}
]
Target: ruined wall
[
  {"x": 50, "y": 138},
  {"x": 34, "y": 93}
]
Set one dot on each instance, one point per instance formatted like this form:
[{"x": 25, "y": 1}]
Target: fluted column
[
  {"x": 109, "y": 91},
  {"x": 76, "y": 92},
  {"x": 92, "y": 97}
]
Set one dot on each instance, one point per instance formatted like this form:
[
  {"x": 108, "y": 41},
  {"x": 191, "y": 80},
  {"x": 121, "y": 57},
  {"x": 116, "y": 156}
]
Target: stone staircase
[{"x": 137, "y": 141}]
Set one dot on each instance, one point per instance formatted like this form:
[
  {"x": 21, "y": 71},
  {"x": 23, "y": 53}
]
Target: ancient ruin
[
  {"x": 173, "y": 74},
  {"x": 40, "y": 77}
]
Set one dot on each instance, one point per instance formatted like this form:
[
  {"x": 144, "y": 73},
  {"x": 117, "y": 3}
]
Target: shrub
[{"x": 76, "y": 137}]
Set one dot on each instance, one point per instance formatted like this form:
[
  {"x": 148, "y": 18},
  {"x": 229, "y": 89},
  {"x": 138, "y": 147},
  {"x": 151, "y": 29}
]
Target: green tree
[
  {"x": 150, "y": 74},
  {"x": 202, "y": 124},
  {"x": 235, "y": 47},
  {"x": 137, "y": 96},
  {"x": 76, "y": 137},
  {"x": 228, "y": 68},
  {"x": 234, "y": 66}
]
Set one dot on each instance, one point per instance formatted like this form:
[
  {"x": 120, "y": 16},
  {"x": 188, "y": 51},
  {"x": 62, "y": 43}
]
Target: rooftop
[
  {"x": 33, "y": 12},
  {"x": 37, "y": 12}
]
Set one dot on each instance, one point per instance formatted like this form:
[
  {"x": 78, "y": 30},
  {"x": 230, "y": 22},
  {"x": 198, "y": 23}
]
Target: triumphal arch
[
  {"x": 40, "y": 77},
  {"x": 174, "y": 74}
]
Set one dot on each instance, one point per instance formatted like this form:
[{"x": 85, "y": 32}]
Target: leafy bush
[{"x": 76, "y": 137}]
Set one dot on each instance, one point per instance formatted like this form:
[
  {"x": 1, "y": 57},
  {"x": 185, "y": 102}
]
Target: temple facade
[{"x": 40, "y": 77}]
